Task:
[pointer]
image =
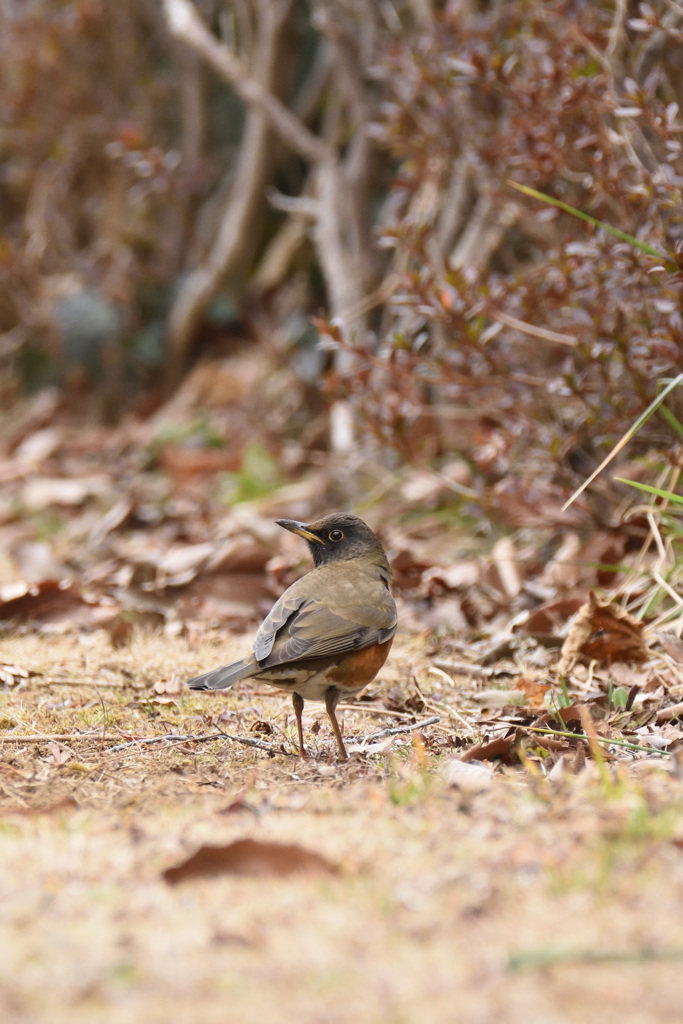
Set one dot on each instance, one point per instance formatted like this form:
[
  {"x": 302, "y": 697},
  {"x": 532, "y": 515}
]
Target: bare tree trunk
[
  {"x": 239, "y": 217},
  {"x": 340, "y": 156}
]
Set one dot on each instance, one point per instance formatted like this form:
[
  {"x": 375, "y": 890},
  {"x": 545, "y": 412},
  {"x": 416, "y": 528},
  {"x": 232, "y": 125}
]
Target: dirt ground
[{"x": 501, "y": 897}]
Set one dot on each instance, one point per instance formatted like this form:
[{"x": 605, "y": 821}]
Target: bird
[{"x": 330, "y": 633}]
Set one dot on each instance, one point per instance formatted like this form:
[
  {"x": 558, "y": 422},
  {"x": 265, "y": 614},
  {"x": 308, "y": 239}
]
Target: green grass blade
[
  {"x": 673, "y": 422},
  {"x": 668, "y": 495},
  {"x": 643, "y": 418},
  {"x": 622, "y": 235}
]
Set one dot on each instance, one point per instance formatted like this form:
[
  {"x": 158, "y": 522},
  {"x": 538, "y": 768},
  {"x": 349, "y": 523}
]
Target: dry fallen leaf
[
  {"x": 226, "y": 598},
  {"x": 120, "y": 631},
  {"x": 249, "y": 857},
  {"x": 35, "y": 561},
  {"x": 263, "y": 727},
  {"x": 58, "y": 754},
  {"x": 672, "y": 645},
  {"x": 42, "y": 492},
  {"x": 59, "y": 603},
  {"x": 561, "y": 571},
  {"x": 549, "y": 618},
  {"x": 605, "y": 632},
  {"x": 570, "y": 763},
  {"x": 185, "y": 463},
  {"x": 505, "y": 559},
  {"x": 499, "y": 747},
  {"x": 452, "y": 577},
  {"x": 534, "y": 690},
  {"x": 39, "y": 445}
]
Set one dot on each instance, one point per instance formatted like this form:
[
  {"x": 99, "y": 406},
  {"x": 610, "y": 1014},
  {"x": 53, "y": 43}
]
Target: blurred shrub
[
  {"x": 91, "y": 201},
  {"x": 503, "y": 329},
  {"x": 566, "y": 98}
]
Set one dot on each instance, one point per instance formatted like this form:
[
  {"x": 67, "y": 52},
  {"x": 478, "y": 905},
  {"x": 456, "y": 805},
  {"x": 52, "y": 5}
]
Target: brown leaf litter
[
  {"x": 250, "y": 857},
  {"x": 605, "y": 632}
]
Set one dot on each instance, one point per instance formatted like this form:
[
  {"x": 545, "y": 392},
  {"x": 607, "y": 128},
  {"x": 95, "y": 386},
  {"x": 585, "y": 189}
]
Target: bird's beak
[{"x": 300, "y": 528}]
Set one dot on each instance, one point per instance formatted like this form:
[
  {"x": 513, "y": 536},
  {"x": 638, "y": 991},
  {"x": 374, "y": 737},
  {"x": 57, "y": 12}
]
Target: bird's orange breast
[{"x": 359, "y": 668}]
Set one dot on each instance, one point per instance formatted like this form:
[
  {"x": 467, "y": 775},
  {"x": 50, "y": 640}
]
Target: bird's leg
[
  {"x": 298, "y": 702},
  {"x": 331, "y": 701}
]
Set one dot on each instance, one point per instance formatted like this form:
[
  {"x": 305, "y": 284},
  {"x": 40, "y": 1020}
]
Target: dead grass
[{"x": 522, "y": 901}]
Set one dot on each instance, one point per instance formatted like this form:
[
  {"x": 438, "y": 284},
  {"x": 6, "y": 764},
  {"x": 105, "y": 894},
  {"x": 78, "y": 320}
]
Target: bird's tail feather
[{"x": 224, "y": 677}]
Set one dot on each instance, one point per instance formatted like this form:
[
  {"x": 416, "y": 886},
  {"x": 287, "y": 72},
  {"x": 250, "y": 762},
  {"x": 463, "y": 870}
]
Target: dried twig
[
  {"x": 50, "y": 738},
  {"x": 465, "y": 668},
  {"x": 174, "y": 737},
  {"x": 249, "y": 742},
  {"x": 265, "y": 113},
  {"x": 341, "y": 173},
  {"x": 88, "y": 684},
  {"x": 535, "y": 332},
  {"x": 400, "y": 729},
  {"x": 367, "y": 709},
  {"x": 185, "y": 24}
]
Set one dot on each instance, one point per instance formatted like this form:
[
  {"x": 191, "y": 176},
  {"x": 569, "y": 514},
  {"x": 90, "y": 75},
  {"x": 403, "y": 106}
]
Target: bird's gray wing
[
  {"x": 305, "y": 628},
  {"x": 283, "y": 609}
]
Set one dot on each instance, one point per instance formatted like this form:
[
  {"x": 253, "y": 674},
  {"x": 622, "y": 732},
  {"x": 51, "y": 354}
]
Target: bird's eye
[{"x": 336, "y": 535}]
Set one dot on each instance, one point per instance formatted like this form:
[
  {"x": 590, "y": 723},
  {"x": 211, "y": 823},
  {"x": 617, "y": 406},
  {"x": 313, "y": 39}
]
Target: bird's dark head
[{"x": 339, "y": 537}]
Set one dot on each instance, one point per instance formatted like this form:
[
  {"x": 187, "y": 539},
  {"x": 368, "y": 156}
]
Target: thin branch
[
  {"x": 400, "y": 729},
  {"x": 367, "y": 709},
  {"x": 349, "y": 75},
  {"x": 618, "y": 38},
  {"x": 343, "y": 284},
  {"x": 535, "y": 332},
  {"x": 457, "y": 197},
  {"x": 483, "y": 234},
  {"x": 464, "y": 668},
  {"x": 173, "y": 737},
  {"x": 87, "y": 683},
  {"x": 240, "y": 214},
  {"x": 50, "y": 738},
  {"x": 184, "y": 23},
  {"x": 302, "y": 206},
  {"x": 277, "y": 259}
]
